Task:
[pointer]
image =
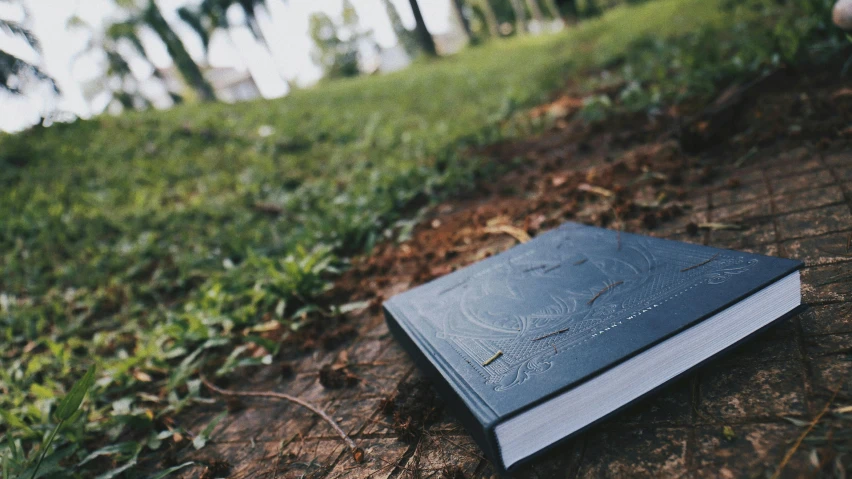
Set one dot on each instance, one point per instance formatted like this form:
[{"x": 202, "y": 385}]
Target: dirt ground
[{"x": 766, "y": 169}]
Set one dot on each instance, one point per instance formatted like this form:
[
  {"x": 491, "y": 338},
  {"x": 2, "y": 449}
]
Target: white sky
[{"x": 285, "y": 27}]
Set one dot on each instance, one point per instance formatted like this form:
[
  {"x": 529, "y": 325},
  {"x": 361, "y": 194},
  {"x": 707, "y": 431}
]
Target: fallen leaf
[
  {"x": 558, "y": 181},
  {"x": 843, "y": 410},
  {"x": 498, "y": 220},
  {"x": 513, "y": 231},
  {"x": 596, "y": 190},
  {"x": 841, "y": 93},
  {"x": 358, "y": 455}
]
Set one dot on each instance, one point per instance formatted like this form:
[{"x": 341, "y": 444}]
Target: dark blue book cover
[{"x": 516, "y": 329}]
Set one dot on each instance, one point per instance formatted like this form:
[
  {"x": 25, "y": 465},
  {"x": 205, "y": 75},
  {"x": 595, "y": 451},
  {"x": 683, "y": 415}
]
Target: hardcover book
[{"x": 533, "y": 345}]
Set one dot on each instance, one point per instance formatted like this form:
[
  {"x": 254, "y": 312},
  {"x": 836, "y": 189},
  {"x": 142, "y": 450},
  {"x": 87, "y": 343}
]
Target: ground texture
[{"x": 768, "y": 171}]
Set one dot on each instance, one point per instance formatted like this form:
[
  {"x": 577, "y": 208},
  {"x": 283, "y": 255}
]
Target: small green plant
[
  {"x": 757, "y": 37},
  {"x": 596, "y": 108},
  {"x": 15, "y": 464}
]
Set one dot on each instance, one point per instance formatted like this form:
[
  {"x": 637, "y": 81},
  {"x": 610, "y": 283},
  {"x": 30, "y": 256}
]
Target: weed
[{"x": 755, "y": 37}]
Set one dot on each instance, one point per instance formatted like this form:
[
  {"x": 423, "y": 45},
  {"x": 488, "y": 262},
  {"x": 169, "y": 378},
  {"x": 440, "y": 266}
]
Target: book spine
[{"x": 480, "y": 428}]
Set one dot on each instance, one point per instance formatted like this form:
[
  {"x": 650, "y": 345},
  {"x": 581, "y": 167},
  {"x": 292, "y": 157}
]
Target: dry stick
[
  {"x": 550, "y": 334},
  {"x": 801, "y": 438},
  {"x": 581, "y": 261},
  {"x": 357, "y": 452},
  {"x": 492, "y": 358},
  {"x": 601, "y": 292},
  {"x": 700, "y": 264}
]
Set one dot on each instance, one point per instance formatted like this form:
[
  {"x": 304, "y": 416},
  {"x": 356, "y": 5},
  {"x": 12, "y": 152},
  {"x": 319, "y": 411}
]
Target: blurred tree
[
  {"x": 592, "y": 9},
  {"x": 404, "y": 36},
  {"x": 146, "y": 13},
  {"x": 553, "y": 9},
  {"x": 216, "y": 13},
  {"x": 15, "y": 71},
  {"x": 250, "y": 7},
  {"x": 490, "y": 17},
  {"x": 337, "y": 46},
  {"x": 458, "y": 9},
  {"x": 520, "y": 16},
  {"x": 117, "y": 81},
  {"x": 205, "y": 18},
  {"x": 536, "y": 11},
  {"x": 210, "y": 15},
  {"x": 568, "y": 8},
  {"x": 187, "y": 67},
  {"x": 427, "y": 44}
]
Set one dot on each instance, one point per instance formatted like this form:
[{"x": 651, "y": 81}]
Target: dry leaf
[
  {"x": 498, "y": 220},
  {"x": 843, "y": 410},
  {"x": 513, "y": 231},
  {"x": 596, "y": 190}
]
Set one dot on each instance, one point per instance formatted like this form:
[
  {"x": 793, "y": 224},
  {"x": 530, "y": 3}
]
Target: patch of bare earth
[{"x": 767, "y": 168}]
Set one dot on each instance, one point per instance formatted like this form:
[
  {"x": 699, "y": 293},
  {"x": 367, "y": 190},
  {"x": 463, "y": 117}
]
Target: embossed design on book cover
[{"x": 548, "y": 289}]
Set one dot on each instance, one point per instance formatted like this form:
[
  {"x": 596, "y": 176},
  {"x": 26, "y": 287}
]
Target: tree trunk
[
  {"x": 458, "y": 8},
  {"x": 251, "y": 21},
  {"x": 553, "y": 9},
  {"x": 520, "y": 16},
  {"x": 490, "y": 18},
  {"x": 536, "y": 11},
  {"x": 568, "y": 7},
  {"x": 426, "y": 41},
  {"x": 592, "y": 9},
  {"x": 187, "y": 67},
  {"x": 404, "y": 36}
]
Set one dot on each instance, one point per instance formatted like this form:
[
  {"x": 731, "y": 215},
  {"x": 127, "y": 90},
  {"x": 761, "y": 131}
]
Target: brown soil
[
  {"x": 631, "y": 173},
  {"x": 412, "y": 409}
]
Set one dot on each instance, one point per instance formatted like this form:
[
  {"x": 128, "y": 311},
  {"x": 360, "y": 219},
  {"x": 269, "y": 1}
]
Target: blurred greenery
[{"x": 155, "y": 243}]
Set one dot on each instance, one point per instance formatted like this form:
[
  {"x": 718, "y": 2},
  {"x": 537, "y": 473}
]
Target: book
[{"x": 531, "y": 346}]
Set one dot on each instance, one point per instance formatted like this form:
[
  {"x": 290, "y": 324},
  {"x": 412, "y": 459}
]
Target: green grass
[{"x": 136, "y": 243}]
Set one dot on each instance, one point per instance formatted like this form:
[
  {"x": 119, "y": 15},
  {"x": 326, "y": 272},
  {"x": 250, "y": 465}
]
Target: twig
[
  {"x": 513, "y": 231},
  {"x": 550, "y": 334},
  {"x": 720, "y": 226},
  {"x": 492, "y": 358},
  {"x": 746, "y": 157},
  {"x": 581, "y": 261},
  {"x": 596, "y": 190},
  {"x": 268, "y": 208},
  {"x": 357, "y": 452},
  {"x": 804, "y": 434},
  {"x": 700, "y": 264},
  {"x": 601, "y": 292}
]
